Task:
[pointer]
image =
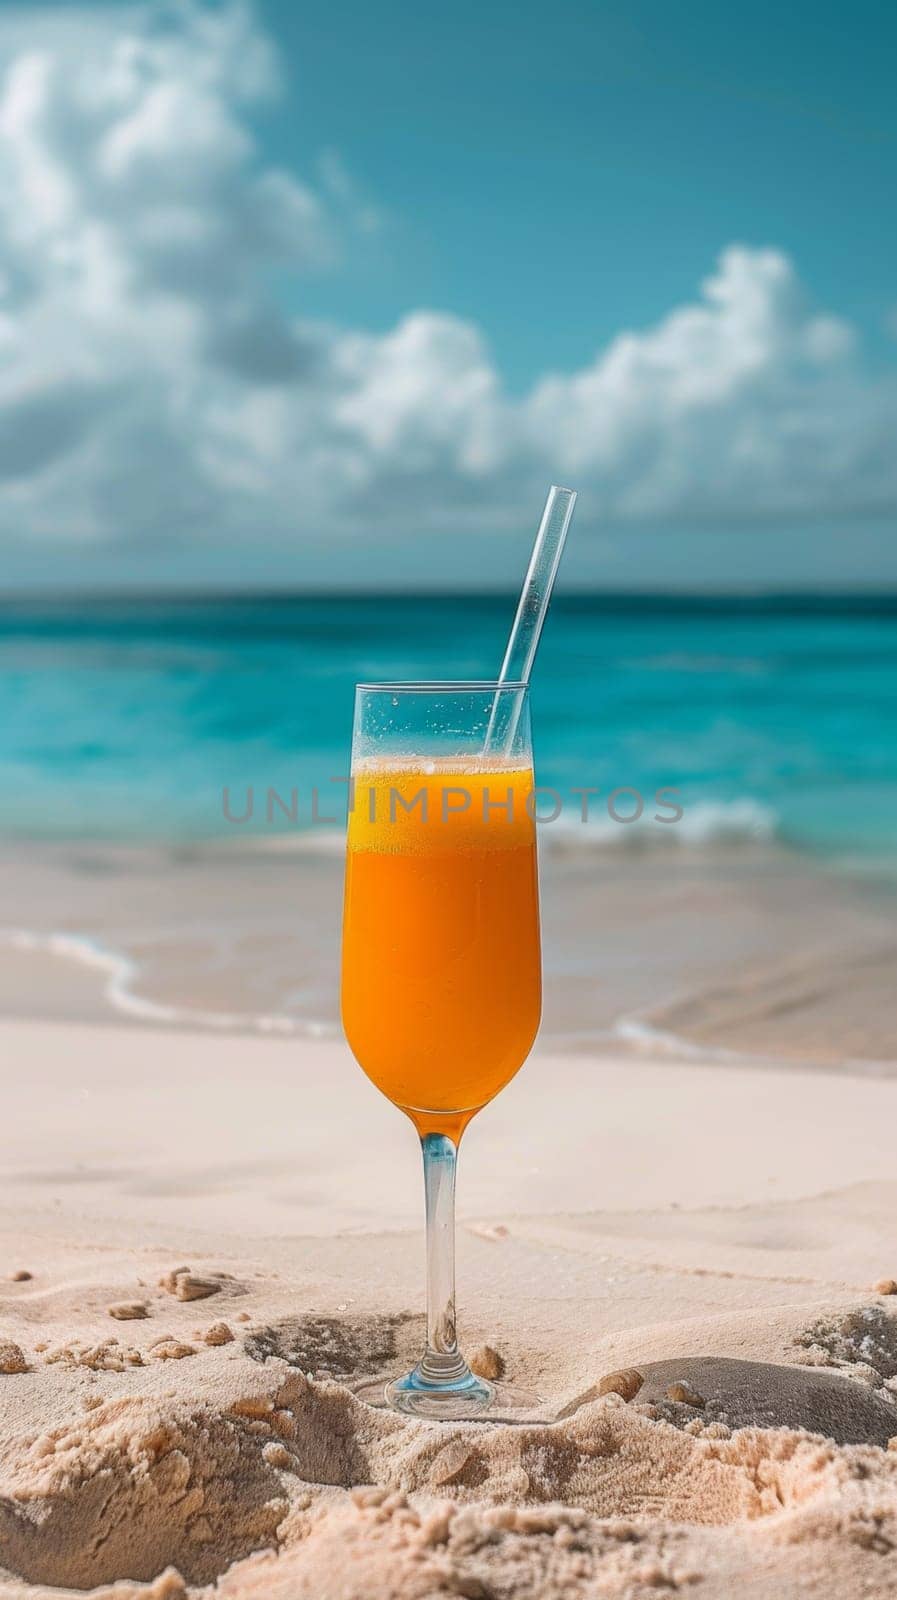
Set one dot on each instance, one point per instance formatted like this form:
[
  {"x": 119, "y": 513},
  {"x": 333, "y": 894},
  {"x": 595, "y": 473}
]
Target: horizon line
[{"x": 283, "y": 595}]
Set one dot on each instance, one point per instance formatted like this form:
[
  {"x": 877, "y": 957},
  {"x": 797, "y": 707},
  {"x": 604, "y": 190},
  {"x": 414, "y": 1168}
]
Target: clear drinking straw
[{"x": 526, "y": 630}]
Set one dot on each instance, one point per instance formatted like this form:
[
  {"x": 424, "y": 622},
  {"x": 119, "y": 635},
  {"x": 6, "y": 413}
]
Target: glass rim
[{"x": 443, "y": 686}]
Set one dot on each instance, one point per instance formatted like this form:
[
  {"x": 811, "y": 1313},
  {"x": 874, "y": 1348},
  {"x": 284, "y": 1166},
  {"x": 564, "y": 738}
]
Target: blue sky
[
  {"x": 329, "y": 294},
  {"x": 559, "y": 172}
]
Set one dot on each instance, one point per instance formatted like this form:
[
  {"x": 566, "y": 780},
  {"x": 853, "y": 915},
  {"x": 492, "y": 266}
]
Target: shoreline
[
  {"x": 732, "y": 954},
  {"x": 117, "y": 1002}
]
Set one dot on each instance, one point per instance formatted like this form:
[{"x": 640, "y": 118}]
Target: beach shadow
[
  {"x": 345, "y": 1347},
  {"x": 761, "y": 1394}
]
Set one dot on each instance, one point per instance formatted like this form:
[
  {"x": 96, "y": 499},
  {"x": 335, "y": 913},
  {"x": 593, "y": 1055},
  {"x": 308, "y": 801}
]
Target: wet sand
[{"x": 749, "y": 950}]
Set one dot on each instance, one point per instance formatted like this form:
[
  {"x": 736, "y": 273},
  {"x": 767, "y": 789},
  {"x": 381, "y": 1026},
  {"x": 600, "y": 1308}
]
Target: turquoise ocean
[{"x": 774, "y": 717}]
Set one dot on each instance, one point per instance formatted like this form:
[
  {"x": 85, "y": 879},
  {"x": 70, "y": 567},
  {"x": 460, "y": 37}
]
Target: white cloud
[
  {"x": 746, "y": 402},
  {"x": 152, "y": 388}
]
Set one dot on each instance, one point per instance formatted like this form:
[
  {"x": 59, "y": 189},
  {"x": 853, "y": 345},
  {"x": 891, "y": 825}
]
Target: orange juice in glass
[{"x": 441, "y": 971}]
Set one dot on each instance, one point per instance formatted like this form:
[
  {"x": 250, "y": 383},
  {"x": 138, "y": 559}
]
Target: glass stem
[{"x": 442, "y": 1361}]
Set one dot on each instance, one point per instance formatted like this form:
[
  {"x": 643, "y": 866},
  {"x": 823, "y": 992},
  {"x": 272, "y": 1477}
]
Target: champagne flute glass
[{"x": 441, "y": 967}]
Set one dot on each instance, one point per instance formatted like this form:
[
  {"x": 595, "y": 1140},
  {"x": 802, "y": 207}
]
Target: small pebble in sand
[
  {"x": 243, "y": 1316},
  {"x": 129, "y": 1311},
  {"x": 12, "y": 1359},
  {"x": 172, "y": 1350},
  {"x": 885, "y": 1286},
  {"x": 219, "y": 1333},
  {"x": 625, "y": 1383},
  {"x": 451, "y": 1461},
  {"x": 21, "y": 1276},
  {"x": 184, "y": 1285},
  {"x": 486, "y": 1362},
  {"x": 614, "y": 1399},
  {"x": 277, "y": 1455},
  {"x": 489, "y": 1230},
  {"x": 685, "y": 1395},
  {"x": 256, "y": 1407}
]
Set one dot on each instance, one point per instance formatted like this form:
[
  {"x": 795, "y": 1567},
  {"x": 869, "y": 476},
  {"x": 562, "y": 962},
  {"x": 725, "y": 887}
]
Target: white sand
[
  {"x": 716, "y": 1226},
  {"x": 285, "y": 1137}
]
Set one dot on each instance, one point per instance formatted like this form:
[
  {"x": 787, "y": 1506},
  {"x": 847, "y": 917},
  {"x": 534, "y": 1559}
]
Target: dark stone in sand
[{"x": 760, "y": 1394}]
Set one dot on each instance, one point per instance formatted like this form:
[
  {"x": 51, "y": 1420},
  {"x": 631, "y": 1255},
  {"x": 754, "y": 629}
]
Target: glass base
[{"x": 468, "y": 1399}]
